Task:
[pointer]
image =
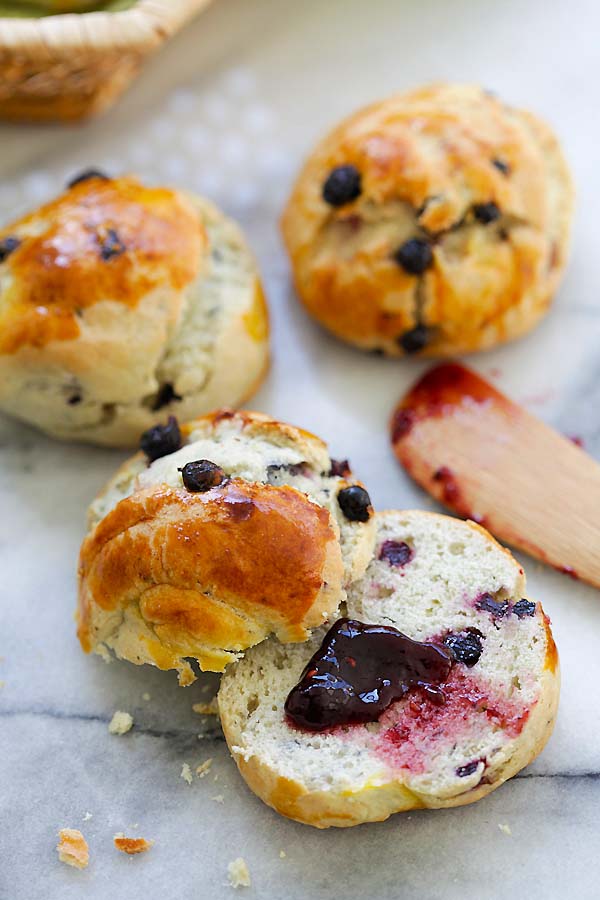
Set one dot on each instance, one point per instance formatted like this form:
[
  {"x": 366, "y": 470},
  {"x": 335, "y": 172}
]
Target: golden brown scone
[
  {"x": 120, "y": 304},
  {"x": 205, "y": 562},
  {"x": 434, "y": 222},
  {"x": 435, "y": 579}
]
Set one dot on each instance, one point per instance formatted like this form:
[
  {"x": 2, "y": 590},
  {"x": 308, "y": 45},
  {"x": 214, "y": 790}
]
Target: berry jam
[{"x": 359, "y": 671}]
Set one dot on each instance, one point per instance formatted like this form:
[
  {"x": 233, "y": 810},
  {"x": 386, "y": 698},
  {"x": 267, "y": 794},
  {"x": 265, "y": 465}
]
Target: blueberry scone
[
  {"x": 122, "y": 304},
  {"x": 440, "y": 682},
  {"x": 217, "y": 534},
  {"x": 433, "y": 222}
]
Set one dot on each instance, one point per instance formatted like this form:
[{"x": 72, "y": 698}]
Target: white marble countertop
[{"x": 229, "y": 108}]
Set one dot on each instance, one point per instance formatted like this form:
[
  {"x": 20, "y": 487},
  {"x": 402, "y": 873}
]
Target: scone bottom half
[
  {"x": 216, "y": 535},
  {"x": 122, "y": 304},
  {"x": 459, "y": 669},
  {"x": 432, "y": 223}
]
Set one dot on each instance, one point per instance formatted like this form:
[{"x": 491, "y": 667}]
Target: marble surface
[{"x": 229, "y": 108}]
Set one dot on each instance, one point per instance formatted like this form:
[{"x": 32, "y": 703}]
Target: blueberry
[
  {"x": 501, "y": 166},
  {"x": 486, "y": 212},
  {"x": 468, "y": 768},
  {"x": 415, "y": 256},
  {"x": 343, "y": 184},
  {"x": 165, "y": 395},
  {"x": 498, "y": 608},
  {"x": 86, "y": 175},
  {"x": 7, "y": 246},
  {"x": 465, "y": 646},
  {"x": 340, "y": 468},
  {"x": 355, "y": 503},
  {"x": 277, "y": 473},
  {"x": 414, "y": 340},
  {"x": 110, "y": 244},
  {"x": 161, "y": 440},
  {"x": 524, "y": 608},
  {"x": 397, "y": 553},
  {"x": 201, "y": 475}
]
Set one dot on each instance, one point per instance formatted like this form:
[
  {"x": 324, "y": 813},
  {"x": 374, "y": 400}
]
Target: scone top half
[
  {"x": 434, "y": 222},
  {"x": 260, "y": 534},
  {"x": 121, "y": 303}
]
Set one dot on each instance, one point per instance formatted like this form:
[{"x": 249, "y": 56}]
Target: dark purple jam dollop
[
  {"x": 359, "y": 670},
  {"x": 415, "y": 340},
  {"x": 396, "y": 553}
]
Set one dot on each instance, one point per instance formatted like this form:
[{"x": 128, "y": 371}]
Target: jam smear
[{"x": 359, "y": 671}]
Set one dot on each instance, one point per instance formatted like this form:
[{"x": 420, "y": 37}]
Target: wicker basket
[{"x": 68, "y": 67}]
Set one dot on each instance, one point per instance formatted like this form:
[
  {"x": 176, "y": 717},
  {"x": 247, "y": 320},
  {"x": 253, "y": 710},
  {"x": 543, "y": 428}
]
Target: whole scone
[
  {"x": 449, "y": 586},
  {"x": 122, "y": 304},
  {"x": 221, "y": 532},
  {"x": 434, "y": 222}
]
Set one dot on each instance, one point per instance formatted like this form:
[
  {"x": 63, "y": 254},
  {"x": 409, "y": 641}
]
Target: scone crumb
[
  {"x": 238, "y": 874},
  {"x": 505, "y": 829},
  {"x": 218, "y": 798},
  {"x": 120, "y": 723},
  {"x": 146, "y": 696},
  {"x": 282, "y": 854},
  {"x": 186, "y": 773},
  {"x": 87, "y": 817},
  {"x": 103, "y": 651},
  {"x": 204, "y": 768},
  {"x": 207, "y": 709},
  {"x": 131, "y": 846},
  {"x": 72, "y": 848}
]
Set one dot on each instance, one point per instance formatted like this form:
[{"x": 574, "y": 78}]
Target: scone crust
[
  {"x": 124, "y": 304},
  {"x": 378, "y": 800},
  {"x": 176, "y": 574},
  {"x": 426, "y": 159},
  {"x": 166, "y": 574}
]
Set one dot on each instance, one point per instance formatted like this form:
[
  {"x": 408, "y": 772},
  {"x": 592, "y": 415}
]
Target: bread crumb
[
  {"x": 238, "y": 874},
  {"x": 87, "y": 817},
  {"x": 131, "y": 845},
  {"x": 216, "y": 778},
  {"x": 120, "y": 723},
  {"x": 218, "y": 798},
  {"x": 204, "y": 768},
  {"x": 146, "y": 696},
  {"x": 505, "y": 829},
  {"x": 72, "y": 848},
  {"x": 282, "y": 854},
  {"x": 186, "y": 773},
  {"x": 2, "y": 683},
  {"x": 207, "y": 709}
]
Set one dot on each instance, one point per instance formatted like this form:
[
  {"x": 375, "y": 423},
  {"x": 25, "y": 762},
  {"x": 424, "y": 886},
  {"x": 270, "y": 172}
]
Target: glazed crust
[
  {"x": 208, "y": 574},
  {"x": 375, "y": 802},
  {"x": 121, "y": 304},
  {"x": 426, "y": 159}
]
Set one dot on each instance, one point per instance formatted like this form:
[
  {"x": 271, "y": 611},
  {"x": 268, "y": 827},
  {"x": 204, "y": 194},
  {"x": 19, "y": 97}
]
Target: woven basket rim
[{"x": 148, "y": 22}]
